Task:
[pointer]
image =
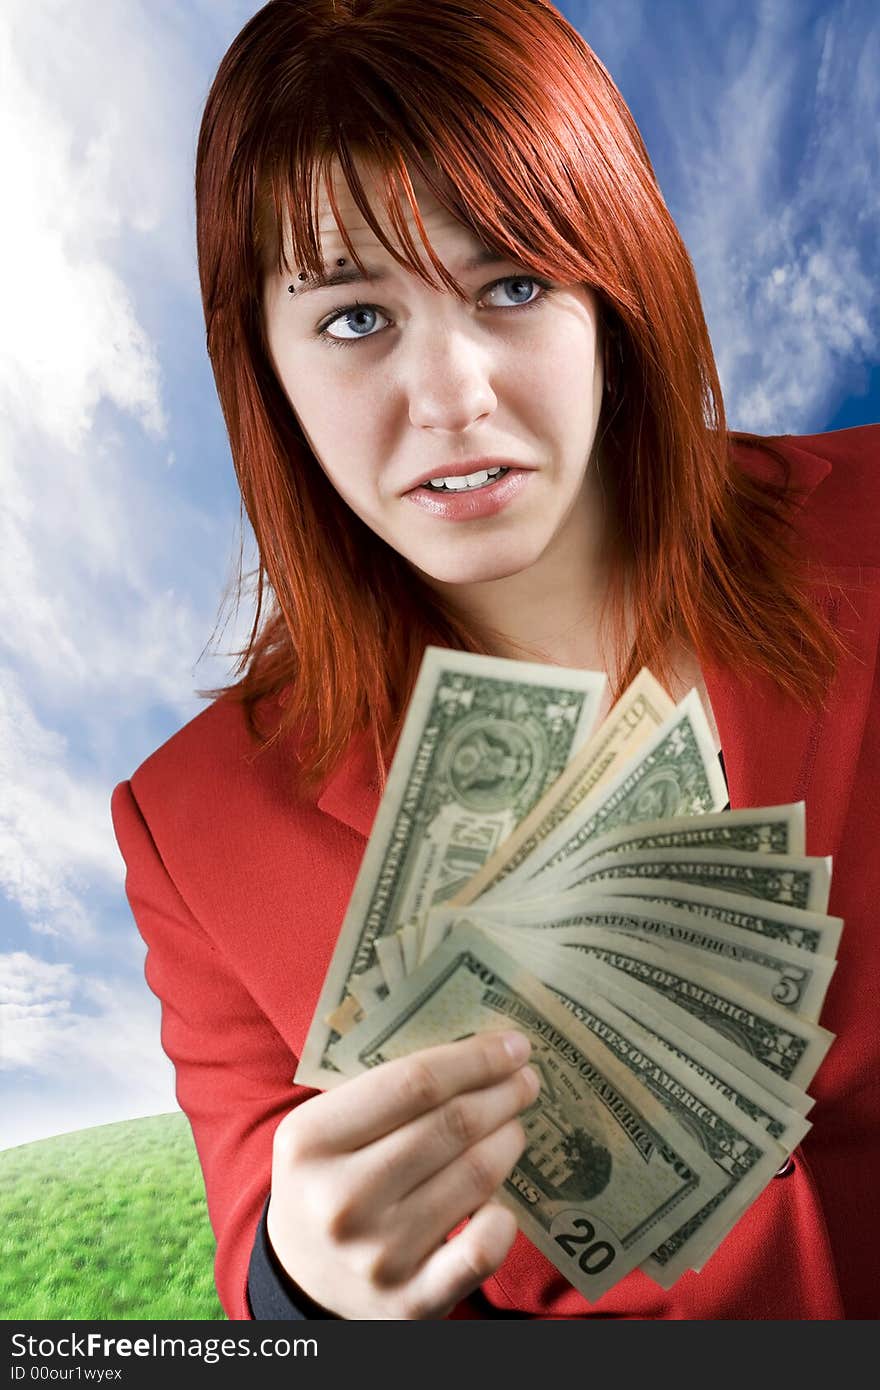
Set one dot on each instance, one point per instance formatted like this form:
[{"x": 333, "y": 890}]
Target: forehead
[{"x": 444, "y": 231}]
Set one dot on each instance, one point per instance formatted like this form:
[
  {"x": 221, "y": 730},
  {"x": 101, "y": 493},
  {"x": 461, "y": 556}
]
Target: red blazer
[{"x": 238, "y": 884}]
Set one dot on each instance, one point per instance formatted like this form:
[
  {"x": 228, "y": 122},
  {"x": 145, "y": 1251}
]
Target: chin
[{"x": 479, "y": 569}]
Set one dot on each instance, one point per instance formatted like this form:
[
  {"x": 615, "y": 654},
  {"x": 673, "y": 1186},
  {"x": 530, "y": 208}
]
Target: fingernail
[
  {"x": 517, "y": 1046},
  {"x": 533, "y": 1079}
]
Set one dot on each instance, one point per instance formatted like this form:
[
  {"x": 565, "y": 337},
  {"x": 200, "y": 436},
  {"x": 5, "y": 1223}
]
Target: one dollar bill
[{"x": 483, "y": 739}]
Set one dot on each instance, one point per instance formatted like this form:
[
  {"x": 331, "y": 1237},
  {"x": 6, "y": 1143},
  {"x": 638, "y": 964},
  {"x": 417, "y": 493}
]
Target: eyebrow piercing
[{"x": 302, "y": 274}]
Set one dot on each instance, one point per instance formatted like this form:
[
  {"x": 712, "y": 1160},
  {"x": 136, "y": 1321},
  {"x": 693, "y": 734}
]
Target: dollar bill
[
  {"x": 786, "y": 975},
  {"x": 640, "y": 711},
  {"x": 790, "y": 880},
  {"x": 783, "y": 1044},
  {"x": 791, "y": 926},
  {"x": 779, "y": 1106},
  {"x": 766, "y": 830},
  {"x": 409, "y": 936},
  {"x": 791, "y": 1047},
  {"x": 608, "y": 1173},
  {"x": 483, "y": 739},
  {"x": 675, "y": 773},
  {"x": 369, "y": 987},
  {"x": 745, "y": 1153},
  {"x": 389, "y": 952}
]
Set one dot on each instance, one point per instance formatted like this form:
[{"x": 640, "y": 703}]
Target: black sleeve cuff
[{"x": 272, "y": 1294}]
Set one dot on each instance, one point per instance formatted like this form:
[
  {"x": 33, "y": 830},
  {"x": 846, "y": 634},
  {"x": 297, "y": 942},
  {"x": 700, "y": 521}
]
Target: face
[{"x": 393, "y": 381}]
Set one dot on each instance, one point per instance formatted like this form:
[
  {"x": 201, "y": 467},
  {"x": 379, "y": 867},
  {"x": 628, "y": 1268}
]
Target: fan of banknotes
[{"x": 667, "y": 957}]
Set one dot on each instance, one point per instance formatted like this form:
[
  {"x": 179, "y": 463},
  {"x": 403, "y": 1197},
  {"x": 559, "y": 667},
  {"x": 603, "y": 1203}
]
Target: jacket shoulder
[
  {"x": 216, "y": 754},
  {"x": 839, "y": 472},
  {"x": 212, "y": 785}
]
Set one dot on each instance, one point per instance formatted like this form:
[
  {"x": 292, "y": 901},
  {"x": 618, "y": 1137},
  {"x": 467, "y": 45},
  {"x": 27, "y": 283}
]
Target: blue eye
[
  {"x": 359, "y": 310},
  {"x": 369, "y": 312}
]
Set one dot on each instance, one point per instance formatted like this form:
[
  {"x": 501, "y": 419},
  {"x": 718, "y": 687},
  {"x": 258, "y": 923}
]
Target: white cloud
[
  {"x": 54, "y": 825},
  {"x": 26, "y": 983},
  {"x": 89, "y": 518},
  {"x": 71, "y": 335},
  {"x": 109, "y": 575},
  {"x": 101, "y": 558},
  {"x": 774, "y": 142},
  {"x": 93, "y": 1046}
]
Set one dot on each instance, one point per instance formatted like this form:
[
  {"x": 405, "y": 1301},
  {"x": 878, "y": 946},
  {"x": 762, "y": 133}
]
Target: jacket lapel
[{"x": 351, "y": 793}]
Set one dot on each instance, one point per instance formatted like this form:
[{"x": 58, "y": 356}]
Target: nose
[{"x": 448, "y": 383}]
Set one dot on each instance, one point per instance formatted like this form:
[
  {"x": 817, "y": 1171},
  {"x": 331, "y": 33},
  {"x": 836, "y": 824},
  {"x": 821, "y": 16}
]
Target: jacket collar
[
  {"x": 807, "y": 470},
  {"x": 351, "y": 794},
  {"x": 775, "y": 752}
]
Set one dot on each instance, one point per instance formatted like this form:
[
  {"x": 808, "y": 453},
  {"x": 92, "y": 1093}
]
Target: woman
[{"x": 471, "y": 401}]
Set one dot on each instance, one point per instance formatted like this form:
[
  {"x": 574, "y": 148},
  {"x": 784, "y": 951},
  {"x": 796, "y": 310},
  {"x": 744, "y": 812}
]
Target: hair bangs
[{"x": 482, "y": 138}]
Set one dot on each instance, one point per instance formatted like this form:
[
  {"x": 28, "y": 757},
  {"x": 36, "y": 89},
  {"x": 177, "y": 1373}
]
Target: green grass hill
[{"x": 107, "y": 1223}]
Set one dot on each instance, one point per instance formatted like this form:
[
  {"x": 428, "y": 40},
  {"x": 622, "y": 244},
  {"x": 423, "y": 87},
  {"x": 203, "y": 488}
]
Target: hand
[{"x": 368, "y": 1179}]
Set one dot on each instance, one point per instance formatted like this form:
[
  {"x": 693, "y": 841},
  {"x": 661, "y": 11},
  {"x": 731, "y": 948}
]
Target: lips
[{"x": 472, "y": 504}]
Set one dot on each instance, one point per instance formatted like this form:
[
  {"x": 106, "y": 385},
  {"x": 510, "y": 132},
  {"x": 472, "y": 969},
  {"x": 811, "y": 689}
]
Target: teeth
[{"x": 470, "y": 480}]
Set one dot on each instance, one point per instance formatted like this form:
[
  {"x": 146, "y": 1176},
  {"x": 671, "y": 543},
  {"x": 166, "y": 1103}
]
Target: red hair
[{"x": 518, "y": 129}]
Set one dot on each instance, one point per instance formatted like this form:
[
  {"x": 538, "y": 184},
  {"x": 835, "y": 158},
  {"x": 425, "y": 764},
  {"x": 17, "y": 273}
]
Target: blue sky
[{"x": 119, "y": 515}]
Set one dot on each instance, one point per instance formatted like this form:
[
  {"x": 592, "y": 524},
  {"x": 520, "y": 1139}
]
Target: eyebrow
[{"x": 352, "y": 276}]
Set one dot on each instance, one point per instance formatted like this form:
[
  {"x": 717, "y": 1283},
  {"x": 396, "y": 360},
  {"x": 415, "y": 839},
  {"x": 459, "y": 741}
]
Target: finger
[
  {"x": 393, "y": 1093},
  {"x": 401, "y": 1161},
  {"x": 462, "y": 1264},
  {"x": 424, "y": 1218}
]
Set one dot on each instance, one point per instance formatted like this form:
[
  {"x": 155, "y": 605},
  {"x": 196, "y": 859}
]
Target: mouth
[
  {"x": 474, "y": 496},
  {"x": 474, "y": 482}
]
